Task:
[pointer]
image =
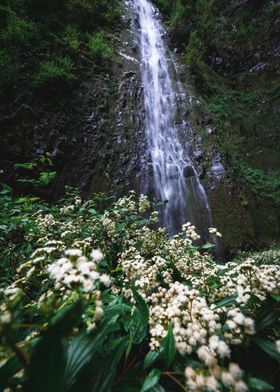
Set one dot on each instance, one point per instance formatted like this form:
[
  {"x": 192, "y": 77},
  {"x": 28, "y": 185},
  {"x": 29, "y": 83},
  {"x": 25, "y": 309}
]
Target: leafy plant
[
  {"x": 98, "y": 300},
  {"x": 99, "y": 47},
  {"x": 53, "y": 73}
]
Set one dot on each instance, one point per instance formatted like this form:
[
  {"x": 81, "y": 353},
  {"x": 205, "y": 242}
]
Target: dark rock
[
  {"x": 198, "y": 155},
  {"x": 188, "y": 171}
]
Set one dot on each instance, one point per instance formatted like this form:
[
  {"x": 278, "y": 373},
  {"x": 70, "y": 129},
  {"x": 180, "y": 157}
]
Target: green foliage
[
  {"x": 19, "y": 33},
  {"x": 265, "y": 185},
  {"x": 194, "y": 52},
  {"x": 52, "y": 74},
  {"x": 55, "y": 47},
  {"x": 100, "y": 48},
  {"x": 42, "y": 174},
  {"x": 70, "y": 38}
]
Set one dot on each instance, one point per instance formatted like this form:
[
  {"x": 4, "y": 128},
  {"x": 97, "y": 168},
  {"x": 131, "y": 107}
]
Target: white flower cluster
[
  {"x": 142, "y": 273},
  {"x": 199, "y": 327},
  {"x": 213, "y": 230},
  {"x": 108, "y": 224},
  {"x": 144, "y": 204},
  {"x": 216, "y": 378},
  {"x": 190, "y": 232},
  {"x": 238, "y": 325},
  {"x": 246, "y": 279},
  {"x": 194, "y": 323},
  {"x": 76, "y": 270}
]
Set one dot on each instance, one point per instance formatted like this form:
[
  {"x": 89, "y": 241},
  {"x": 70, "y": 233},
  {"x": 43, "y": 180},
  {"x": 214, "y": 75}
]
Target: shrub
[
  {"x": 96, "y": 300},
  {"x": 8, "y": 68},
  {"x": 19, "y": 33},
  {"x": 99, "y": 47},
  {"x": 265, "y": 185},
  {"x": 194, "y": 52},
  {"x": 70, "y": 38},
  {"x": 55, "y": 74}
]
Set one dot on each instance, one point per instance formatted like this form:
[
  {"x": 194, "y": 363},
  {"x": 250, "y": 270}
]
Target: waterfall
[{"x": 175, "y": 178}]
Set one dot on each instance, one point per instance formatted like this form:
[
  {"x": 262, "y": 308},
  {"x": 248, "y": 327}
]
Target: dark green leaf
[
  {"x": 256, "y": 384},
  {"x": 269, "y": 321},
  {"x": 49, "y": 357},
  {"x": 105, "y": 371},
  {"x": 83, "y": 347},
  {"x": 139, "y": 323},
  {"x": 65, "y": 320},
  {"x": 157, "y": 388},
  {"x": 47, "y": 365},
  {"x": 169, "y": 350},
  {"x": 227, "y": 301},
  {"x": 267, "y": 316},
  {"x": 8, "y": 370},
  {"x": 151, "y": 380},
  {"x": 151, "y": 358},
  {"x": 208, "y": 245},
  {"x": 269, "y": 347}
]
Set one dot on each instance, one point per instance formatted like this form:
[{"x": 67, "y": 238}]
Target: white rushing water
[{"x": 175, "y": 177}]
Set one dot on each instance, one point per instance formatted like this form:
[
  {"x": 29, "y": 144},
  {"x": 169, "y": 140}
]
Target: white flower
[
  {"x": 144, "y": 204},
  {"x": 98, "y": 313},
  {"x": 223, "y": 349},
  {"x": 105, "y": 279},
  {"x": 73, "y": 252},
  {"x": 235, "y": 371},
  {"x": 240, "y": 386},
  {"x": 96, "y": 255},
  {"x": 206, "y": 355},
  {"x": 212, "y": 383},
  {"x": 227, "y": 379}
]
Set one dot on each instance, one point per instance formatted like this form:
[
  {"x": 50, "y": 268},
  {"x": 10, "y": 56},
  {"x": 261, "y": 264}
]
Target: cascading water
[{"x": 174, "y": 176}]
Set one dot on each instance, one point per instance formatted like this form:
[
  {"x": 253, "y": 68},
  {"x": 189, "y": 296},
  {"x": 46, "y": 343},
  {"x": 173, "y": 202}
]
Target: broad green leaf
[
  {"x": 49, "y": 357},
  {"x": 268, "y": 347},
  {"x": 47, "y": 365},
  {"x": 208, "y": 245},
  {"x": 105, "y": 371},
  {"x": 269, "y": 321},
  {"x": 64, "y": 321},
  {"x": 151, "y": 358},
  {"x": 5, "y": 189},
  {"x": 268, "y": 316},
  {"x": 26, "y": 166},
  {"x": 8, "y": 370},
  {"x": 169, "y": 349},
  {"x": 151, "y": 380},
  {"x": 83, "y": 347},
  {"x": 256, "y": 384},
  {"x": 139, "y": 323},
  {"x": 157, "y": 388},
  {"x": 227, "y": 301}
]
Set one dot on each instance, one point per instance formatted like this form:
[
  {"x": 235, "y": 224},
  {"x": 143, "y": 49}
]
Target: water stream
[{"x": 175, "y": 178}]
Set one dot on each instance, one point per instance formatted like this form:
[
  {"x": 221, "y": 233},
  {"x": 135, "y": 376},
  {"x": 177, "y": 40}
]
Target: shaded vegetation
[{"x": 49, "y": 44}]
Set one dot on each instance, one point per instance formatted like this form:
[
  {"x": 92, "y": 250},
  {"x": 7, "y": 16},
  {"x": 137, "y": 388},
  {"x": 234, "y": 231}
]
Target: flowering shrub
[{"x": 102, "y": 300}]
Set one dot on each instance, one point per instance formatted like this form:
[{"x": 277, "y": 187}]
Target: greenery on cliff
[{"x": 47, "y": 47}]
